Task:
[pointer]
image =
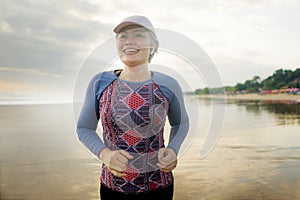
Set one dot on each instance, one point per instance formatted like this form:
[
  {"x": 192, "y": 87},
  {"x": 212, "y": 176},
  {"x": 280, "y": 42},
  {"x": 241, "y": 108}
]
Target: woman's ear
[{"x": 152, "y": 51}]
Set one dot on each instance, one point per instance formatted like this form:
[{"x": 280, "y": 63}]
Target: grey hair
[{"x": 155, "y": 44}]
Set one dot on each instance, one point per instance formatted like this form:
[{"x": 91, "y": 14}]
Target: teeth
[{"x": 131, "y": 50}]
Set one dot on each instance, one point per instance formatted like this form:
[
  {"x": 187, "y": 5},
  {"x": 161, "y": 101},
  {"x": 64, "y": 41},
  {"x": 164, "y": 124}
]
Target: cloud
[
  {"x": 238, "y": 70},
  {"x": 40, "y": 32},
  {"x": 31, "y": 71},
  {"x": 43, "y": 41},
  {"x": 11, "y": 87}
]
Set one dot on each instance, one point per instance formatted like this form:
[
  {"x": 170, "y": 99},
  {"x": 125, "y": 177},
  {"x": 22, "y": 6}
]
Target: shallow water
[{"x": 256, "y": 157}]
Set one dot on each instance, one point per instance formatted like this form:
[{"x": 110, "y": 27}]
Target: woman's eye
[
  {"x": 122, "y": 36},
  {"x": 139, "y": 35}
]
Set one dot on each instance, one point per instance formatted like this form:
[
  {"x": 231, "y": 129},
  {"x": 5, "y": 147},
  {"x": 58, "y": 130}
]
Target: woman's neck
[{"x": 136, "y": 73}]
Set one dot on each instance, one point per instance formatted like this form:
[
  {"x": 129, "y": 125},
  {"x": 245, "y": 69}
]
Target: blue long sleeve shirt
[{"x": 89, "y": 115}]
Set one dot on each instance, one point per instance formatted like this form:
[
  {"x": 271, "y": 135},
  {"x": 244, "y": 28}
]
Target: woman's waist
[{"x": 147, "y": 179}]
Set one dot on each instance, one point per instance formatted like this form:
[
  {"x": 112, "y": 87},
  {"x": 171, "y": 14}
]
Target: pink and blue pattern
[{"x": 133, "y": 115}]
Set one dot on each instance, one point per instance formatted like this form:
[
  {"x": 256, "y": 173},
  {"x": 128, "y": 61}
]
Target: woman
[{"x": 132, "y": 105}]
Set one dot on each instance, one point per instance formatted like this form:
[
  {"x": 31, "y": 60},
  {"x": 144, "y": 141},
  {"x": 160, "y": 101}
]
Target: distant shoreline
[{"x": 259, "y": 97}]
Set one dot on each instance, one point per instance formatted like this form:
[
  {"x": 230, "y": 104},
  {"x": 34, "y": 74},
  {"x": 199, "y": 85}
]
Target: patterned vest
[{"x": 133, "y": 116}]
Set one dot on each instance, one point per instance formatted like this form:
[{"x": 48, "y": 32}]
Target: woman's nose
[{"x": 129, "y": 41}]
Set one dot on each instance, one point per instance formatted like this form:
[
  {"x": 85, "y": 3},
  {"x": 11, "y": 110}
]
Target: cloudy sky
[{"x": 43, "y": 44}]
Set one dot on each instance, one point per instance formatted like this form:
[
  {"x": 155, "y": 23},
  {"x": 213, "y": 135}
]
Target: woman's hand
[
  {"x": 115, "y": 160},
  {"x": 167, "y": 159}
]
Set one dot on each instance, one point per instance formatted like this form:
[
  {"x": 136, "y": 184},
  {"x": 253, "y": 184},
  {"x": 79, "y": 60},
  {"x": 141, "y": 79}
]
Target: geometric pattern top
[{"x": 133, "y": 115}]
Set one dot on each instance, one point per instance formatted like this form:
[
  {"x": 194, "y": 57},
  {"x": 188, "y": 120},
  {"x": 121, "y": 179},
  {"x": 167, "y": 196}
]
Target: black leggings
[{"x": 160, "y": 193}]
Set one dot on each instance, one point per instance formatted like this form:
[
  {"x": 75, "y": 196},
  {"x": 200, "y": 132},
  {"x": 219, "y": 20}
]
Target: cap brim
[{"x": 118, "y": 28}]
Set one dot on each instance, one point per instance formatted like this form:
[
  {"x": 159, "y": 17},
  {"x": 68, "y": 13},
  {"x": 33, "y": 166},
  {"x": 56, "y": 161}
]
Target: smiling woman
[
  {"x": 134, "y": 48},
  {"x": 136, "y": 35},
  {"x": 132, "y": 105}
]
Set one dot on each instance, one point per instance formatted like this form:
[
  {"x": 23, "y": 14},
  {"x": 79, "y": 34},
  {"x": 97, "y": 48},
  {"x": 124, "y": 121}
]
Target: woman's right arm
[
  {"x": 88, "y": 121},
  {"x": 115, "y": 160}
]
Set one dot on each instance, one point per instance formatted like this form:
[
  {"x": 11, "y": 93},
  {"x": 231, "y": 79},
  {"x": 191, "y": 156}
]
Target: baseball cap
[{"x": 135, "y": 19}]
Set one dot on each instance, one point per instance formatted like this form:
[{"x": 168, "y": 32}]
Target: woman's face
[{"x": 134, "y": 45}]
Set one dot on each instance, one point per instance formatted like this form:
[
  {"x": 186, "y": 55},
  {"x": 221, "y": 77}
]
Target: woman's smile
[
  {"x": 134, "y": 45},
  {"x": 131, "y": 51}
]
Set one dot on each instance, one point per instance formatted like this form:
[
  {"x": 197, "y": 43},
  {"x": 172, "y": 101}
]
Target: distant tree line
[{"x": 281, "y": 78}]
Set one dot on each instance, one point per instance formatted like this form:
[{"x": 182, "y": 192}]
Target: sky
[{"x": 43, "y": 44}]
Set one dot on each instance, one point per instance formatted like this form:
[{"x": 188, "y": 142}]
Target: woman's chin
[{"x": 133, "y": 61}]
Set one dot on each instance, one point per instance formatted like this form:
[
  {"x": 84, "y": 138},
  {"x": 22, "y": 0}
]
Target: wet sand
[
  {"x": 238, "y": 173},
  {"x": 41, "y": 158}
]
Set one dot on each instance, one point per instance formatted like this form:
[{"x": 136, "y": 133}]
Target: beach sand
[
  {"x": 238, "y": 173},
  {"x": 41, "y": 158}
]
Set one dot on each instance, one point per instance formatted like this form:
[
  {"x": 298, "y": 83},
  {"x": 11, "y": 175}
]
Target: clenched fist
[
  {"x": 167, "y": 159},
  {"x": 115, "y": 160}
]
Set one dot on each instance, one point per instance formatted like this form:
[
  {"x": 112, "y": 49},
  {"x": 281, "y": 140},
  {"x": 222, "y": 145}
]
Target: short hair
[{"x": 156, "y": 43}]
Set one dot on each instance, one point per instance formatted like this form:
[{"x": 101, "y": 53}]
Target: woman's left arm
[
  {"x": 178, "y": 119},
  {"x": 179, "y": 122}
]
